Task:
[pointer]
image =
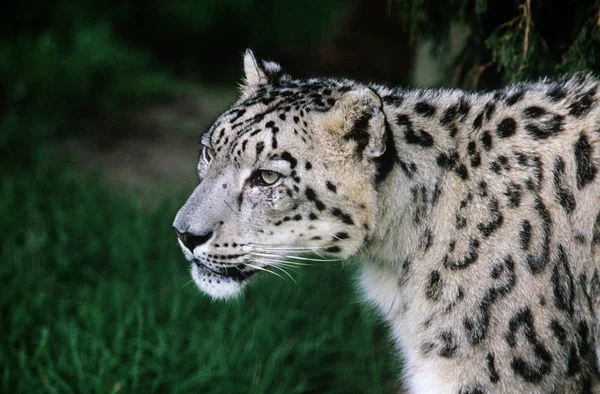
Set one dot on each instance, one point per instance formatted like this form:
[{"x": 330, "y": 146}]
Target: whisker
[
  {"x": 284, "y": 251},
  {"x": 282, "y": 261},
  {"x": 311, "y": 259},
  {"x": 270, "y": 262},
  {"x": 251, "y": 266},
  {"x": 296, "y": 257},
  {"x": 318, "y": 253},
  {"x": 334, "y": 236},
  {"x": 295, "y": 263},
  {"x": 287, "y": 249},
  {"x": 267, "y": 255},
  {"x": 284, "y": 247},
  {"x": 279, "y": 263},
  {"x": 285, "y": 272},
  {"x": 275, "y": 267},
  {"x": 188, "y": 283},
  {"x": 263, "y": 269}
]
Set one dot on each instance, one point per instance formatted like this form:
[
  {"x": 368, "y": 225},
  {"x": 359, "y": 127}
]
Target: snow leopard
[{"x": 474, "y": 216}]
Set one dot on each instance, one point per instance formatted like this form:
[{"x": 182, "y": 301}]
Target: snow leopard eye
[
  {"x": 266, "y": 177},
  {"x": 207, "y": 154}
]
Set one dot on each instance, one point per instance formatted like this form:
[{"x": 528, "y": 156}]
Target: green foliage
[
  {"x": 20, "y": 139},
  {"x": 583, "y": 54},
  {"x": 519, "y": 39},
  {"x": 518, "y": 51},
  {"x": 90, "y": 71}
]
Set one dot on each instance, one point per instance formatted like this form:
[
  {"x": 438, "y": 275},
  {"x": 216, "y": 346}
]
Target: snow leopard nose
[{"x": 192, "y": 240}]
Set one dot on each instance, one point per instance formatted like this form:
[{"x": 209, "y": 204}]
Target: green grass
[{"x": 96, "y": 298}]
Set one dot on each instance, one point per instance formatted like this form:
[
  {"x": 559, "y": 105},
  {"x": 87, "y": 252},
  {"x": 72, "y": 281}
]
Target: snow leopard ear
[
  {"x": 358, "y": 118},
  {"x": 258, "y": 72}
]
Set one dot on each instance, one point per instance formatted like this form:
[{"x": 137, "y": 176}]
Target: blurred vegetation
[
  {"x": 90, "y": 74},
  {"x": 512, "y": 40}
]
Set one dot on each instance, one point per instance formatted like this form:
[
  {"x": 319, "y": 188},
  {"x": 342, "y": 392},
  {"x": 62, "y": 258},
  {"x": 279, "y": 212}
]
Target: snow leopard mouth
[{"x": 236, "y": 272}]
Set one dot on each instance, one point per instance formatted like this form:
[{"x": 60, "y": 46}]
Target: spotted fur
[{"x": 476, "y": 216}]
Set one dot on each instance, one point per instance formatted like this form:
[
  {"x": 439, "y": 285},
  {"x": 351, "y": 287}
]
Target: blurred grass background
[{"x": 101, "y": 104}]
